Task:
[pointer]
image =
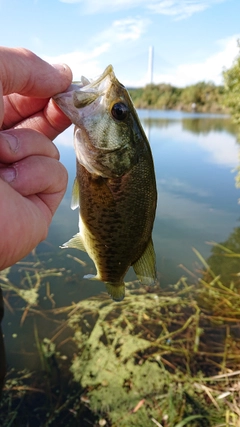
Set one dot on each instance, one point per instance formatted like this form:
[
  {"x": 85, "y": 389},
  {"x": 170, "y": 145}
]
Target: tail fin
[{"x": 116, "y": 290}]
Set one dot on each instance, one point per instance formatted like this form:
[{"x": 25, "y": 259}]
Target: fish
[{"x": 115, "y": 185}]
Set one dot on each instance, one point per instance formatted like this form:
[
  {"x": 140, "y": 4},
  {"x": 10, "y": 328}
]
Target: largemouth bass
[{"x": 115, "y": 185}]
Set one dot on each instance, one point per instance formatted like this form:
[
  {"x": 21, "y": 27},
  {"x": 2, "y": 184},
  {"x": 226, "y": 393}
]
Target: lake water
[{"x": 195, "y": 156}]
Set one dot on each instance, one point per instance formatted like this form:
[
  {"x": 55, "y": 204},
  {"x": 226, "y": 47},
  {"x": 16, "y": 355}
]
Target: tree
[{"x": 232, "y": 88}]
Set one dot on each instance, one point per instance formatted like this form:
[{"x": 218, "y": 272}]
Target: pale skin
[{"x": 32, "y": 180}]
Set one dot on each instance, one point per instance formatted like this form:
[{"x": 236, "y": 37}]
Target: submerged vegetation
[{"x": 160, "y": 357}]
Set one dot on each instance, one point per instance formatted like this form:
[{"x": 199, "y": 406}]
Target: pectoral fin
[
  {"x": 75, "y": 242},
  {"x": 145, "y": 266},
  {"x": 75, "y": 195},
  {"x": 90, "y": 277}
]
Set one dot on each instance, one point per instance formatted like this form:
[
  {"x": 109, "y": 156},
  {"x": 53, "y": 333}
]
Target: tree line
[
  {"x": 232, "y": 88},
  {"x": 201, "y": 97}
]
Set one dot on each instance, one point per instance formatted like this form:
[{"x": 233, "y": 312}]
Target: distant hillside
[{"x": 202, "y": 97}]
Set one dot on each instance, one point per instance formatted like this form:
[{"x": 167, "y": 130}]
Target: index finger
[{"x": 23, "y": 72}]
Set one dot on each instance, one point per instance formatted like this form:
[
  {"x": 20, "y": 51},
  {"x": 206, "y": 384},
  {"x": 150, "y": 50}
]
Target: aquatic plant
[{"x": 166, "y": 358}]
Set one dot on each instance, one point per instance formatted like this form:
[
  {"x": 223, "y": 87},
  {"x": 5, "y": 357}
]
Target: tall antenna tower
[{"x": 150, "y": 65}]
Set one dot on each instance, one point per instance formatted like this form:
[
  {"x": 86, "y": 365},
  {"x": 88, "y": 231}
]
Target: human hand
[{"x": 32, "y": 180}]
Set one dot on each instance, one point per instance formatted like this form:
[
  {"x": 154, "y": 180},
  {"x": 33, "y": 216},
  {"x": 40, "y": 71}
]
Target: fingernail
[
  {"x": 8, "y": 174},
  {"x": 12, "y": 141},
  {"x": 60, "y": 67},
  {"x": 64, "y": 69}
]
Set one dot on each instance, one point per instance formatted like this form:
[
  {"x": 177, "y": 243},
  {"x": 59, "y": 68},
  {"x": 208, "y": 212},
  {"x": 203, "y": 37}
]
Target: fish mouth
[
  {"x": 83, "y": 93},
  {"x": 89, "y": 91},
  {"x": 107, "y": 72},
  {"x": 78, "y": 85}
]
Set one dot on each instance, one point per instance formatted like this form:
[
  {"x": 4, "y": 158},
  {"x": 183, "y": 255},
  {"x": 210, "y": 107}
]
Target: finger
[
  {"x": 23, "y": 72},
  {"x": 27, "y": 225},
  {"x": 51, "y": 121},
  {"x": 36, "y": 175},
  {"x": 16, "y": 144},
  {"x": 27, "y": 220},
  {"x": 18, "y": 107}
]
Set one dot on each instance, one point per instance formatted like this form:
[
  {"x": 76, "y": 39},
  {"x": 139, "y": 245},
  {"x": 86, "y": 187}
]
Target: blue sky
[{"x": 193, "y": 40}]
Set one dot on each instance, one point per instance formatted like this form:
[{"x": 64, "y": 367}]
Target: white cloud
[
  {"x": 95, "y": 6},
  {"x": 129, "y": 29},
  {"x": 179, "y": 9},
  {"x": 81, "y": 62},
  {"x": 125, "y": 29},
  {"x": 209, "y": 70},
  {"x": 87, "y": 62}
]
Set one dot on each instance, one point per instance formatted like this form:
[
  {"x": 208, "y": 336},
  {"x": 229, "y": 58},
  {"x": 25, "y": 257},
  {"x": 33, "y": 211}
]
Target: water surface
[{"x": 195, "y": 156}]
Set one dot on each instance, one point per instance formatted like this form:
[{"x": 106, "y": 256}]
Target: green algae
[{"x": 160, "y": 357}]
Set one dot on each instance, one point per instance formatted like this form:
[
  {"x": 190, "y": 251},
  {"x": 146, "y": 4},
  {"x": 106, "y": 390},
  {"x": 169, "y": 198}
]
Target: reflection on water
[
  {"x": 194, "y": 156},
  {"x": 194, "y": 159}
]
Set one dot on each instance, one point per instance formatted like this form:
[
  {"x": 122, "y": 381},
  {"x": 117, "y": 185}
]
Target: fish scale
[{"x": 115, "y": 185}]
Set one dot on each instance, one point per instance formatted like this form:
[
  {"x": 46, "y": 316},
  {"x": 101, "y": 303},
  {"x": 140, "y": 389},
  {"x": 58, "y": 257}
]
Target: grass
[{"x": 165, "y": 357}]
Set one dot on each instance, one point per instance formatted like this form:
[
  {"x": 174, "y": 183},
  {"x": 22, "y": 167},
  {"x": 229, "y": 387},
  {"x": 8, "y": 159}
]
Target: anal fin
[{"x": 145, "y": 266}]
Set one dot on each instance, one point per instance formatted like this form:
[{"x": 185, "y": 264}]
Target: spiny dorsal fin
[
  {"x": 75, "y": 195},
  {"x": 75, "y": 242},
  {"x": 145, "y": 266}
]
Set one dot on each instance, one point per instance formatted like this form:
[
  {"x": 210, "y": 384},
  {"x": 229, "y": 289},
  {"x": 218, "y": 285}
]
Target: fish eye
[{"x": 119, "y": 111}]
